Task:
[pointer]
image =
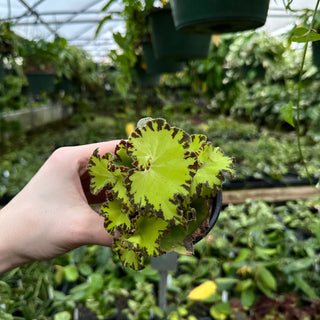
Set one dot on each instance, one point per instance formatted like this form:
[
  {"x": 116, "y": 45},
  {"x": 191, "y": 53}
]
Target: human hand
[{"x": 51, "y": 215}]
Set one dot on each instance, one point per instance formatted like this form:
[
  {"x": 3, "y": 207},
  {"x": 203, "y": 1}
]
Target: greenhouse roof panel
[{"x": 77, "y": 21}]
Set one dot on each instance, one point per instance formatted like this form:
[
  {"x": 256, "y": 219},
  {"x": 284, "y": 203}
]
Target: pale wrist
[{"x": 9, "y": 258}]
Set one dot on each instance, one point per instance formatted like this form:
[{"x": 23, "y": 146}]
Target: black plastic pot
[
  {"x": 67, "y": 85},
  {"x": 316, "y": 53},
  {"x": 215, "y": 206},
  {"x": 158, "y": 65},
  {"x": 2, "y": 73},
  {"x": 168, "y": 43},
  {"x": 40, "y": 82},
  {"x": 146, "y": 80},
  {"x": 219, "y": 16}
]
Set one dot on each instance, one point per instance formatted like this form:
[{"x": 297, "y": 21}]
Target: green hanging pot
[
  {"x": 168, "y": 43},
  {"x": 316, "y": 53},
  {"x": 40, "y": 82},
  {"x": 2, "y": 73},
  {"x": 146, "y": 80},
  {"x": 158, "y": 66},
  {"x": 219, "y": 16},
  {"x": 67, "y": 85}
]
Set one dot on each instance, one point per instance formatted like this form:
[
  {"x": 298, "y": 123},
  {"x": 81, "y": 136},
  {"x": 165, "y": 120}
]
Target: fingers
[
  {"x": 104, "y": 147},
  {"x": 91, "y": 198},
  {"x": 84, "y": 152},
  {"x": 95, "y": 232}
]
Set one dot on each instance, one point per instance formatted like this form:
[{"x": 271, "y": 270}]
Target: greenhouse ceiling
[{"x": 77, "y": 21}]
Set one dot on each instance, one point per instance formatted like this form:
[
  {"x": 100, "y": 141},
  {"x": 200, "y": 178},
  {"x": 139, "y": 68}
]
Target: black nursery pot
[
  {"x": 215, "y": 206},
  {"x": 67, "y": 85},
  {"x": 40, "y": 82},
  {"x": 217, "y": 16},
  {"x": 146, "y": 80},
  {"x": 159, "y": 65},
  {"x": 316, "y": 53},
  {"x": 2, "y": 73}
]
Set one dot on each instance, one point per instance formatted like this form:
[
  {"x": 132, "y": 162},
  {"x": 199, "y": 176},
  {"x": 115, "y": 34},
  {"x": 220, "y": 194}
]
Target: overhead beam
[
  {"x": 53, "y": 22},
  {"x": 66, "y": 12},
  {"x": 28, "y": 12},
  {"x": 91, "y": 4},
  {"x": 35, "y": 13}
]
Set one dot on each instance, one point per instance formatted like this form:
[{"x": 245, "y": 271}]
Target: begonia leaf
[
  {"x": 197, "y": 140},
  {"x": 119, "y": 190},
  {"x": 98, "y": 169},
  {"x": 212, "y": 163},
  {"x": 174, "y": 240},
  {"x": 128, "y": 257},
  {"x": 181, "y": 238},
  {"x": 116, "y": 216},
  {"x": 148, "y": 230},
  {"x": 121, "y": 157},
  {"x": 164, "y": 167}
]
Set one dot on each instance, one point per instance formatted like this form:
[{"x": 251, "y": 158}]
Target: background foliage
[{"x": 262, "y": 257}]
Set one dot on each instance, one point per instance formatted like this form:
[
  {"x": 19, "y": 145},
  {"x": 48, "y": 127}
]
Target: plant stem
[{"x": 298, "y": 126}]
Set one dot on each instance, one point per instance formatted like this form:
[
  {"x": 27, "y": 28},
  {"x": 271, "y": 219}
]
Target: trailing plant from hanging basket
[
  {"x": 308, "y": 20},
  {"x": 39, "y": 56},
  {"x": 39, "y": 65},
  {"x": 157, "y": 186},
  {"x": 130, "y": 44},
  {"x": 8, "y": 41},
  {"x": 301, "y": 34}
]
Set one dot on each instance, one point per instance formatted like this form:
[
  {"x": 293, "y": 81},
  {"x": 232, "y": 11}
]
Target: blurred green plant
[
  {"x": 88, "y": 278},
  {"x": 257, "y": 250},
  {"x": 258, "y": 258},
  {"x": 8, "y": 40}
]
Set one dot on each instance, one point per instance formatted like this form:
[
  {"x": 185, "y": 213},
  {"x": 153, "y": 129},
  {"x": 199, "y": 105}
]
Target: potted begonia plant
[{"x": 158, "y": 186}]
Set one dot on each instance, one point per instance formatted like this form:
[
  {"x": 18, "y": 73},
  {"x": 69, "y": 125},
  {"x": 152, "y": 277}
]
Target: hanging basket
[
  {"x": 316, "y": 53},
  {"x": 67, "y": 86},
  {"x": 40, "y": 82},
  {"x": 219, "y": 16},
  {"x": 158, "y": 65},
  {"x": 168, "y": 43},
  {"x": 146, "y": 80},
  {"x": 2, "y": 72}
]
